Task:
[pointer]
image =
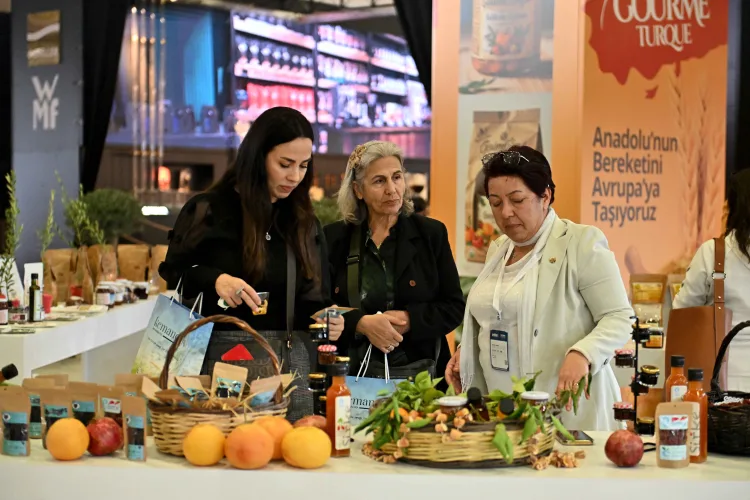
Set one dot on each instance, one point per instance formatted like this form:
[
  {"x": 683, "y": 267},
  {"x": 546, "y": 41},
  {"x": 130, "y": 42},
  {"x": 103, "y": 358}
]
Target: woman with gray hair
[{"x": 395, "y": 268}]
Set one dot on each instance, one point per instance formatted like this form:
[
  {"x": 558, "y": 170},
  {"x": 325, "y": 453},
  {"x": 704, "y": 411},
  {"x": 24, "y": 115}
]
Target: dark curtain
[
  {"x": 6, "y": 118},
  {"x": 738, "y": 77},
  {"x": 416, "y": 21},
  {"x": 104, "y": 25}
]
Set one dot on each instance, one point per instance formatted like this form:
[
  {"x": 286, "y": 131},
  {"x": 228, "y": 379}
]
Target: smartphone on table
[{"x": 580, "y": 438}]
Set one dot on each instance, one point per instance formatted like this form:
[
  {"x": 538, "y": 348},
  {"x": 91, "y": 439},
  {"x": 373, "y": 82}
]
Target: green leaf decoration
[
  {"x": 502, "y": 443},
  {"x": 561, "y": 428}
]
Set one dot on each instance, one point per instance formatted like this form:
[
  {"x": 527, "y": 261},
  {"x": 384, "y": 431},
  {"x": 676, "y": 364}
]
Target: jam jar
[
  {"x": 327, "y": 354},
  {"x": 318, "y": 332},
  {"x": 536, "y": 398},
  {"x": 625, "y": 358},
  {"x": 104, "y": 293},
  {"x": 317, "y": 383},
  {"x": 624, "y": 411},
  {"x": 645, "y": 426},
  {"x": 140, "y": 288},
  {"x": 649, "y": 375},
  {"x": 111, "y": 289},
  {"x": 451, "y": 404}
]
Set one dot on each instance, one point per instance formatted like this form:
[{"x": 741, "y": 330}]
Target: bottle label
[
  {"x": 3, "y": 316},
  {"x": 505, "y": 30},
  {"x": 102, "y": 299},
  {"x": 694, "y": 440},
  {"x": 36, "y": 314},
  {"x": 343, "y": 423},
  {"x": 677, "y": 392},
  {"x": 673, "y": 437}
]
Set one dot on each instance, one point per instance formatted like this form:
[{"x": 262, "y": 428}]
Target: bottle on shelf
[
  {"x": 677, "y": 384},
  {"x": 338, "y": 410},
  {"x": 699, "y": 436},
  {"x": 35, "y": 300}
]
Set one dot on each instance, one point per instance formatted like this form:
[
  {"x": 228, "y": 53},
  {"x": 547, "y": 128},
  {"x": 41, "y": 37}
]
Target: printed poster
[{"x": 654, "y": 128}]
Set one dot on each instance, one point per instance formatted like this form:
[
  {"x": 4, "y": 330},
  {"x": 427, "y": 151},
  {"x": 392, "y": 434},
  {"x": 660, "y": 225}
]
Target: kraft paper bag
[{"x": 168, "y": 320}]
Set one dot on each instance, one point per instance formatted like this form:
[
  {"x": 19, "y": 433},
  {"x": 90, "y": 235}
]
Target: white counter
[
  {"x": 39, "y": 477},
  {"x": 107, "y": 342}
]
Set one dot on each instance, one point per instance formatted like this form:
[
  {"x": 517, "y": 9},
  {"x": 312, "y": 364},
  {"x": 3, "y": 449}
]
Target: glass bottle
[
  {"x": 35, "y": 299},
  {"x": 477, "y": 405},
  {"x": 338, "y": 411},
  {"x": 317, "y": 383},
  {"x": 699, "y": 438},
  {"x": 676, "y": 385},
  {"x": 4, "y": 309}
]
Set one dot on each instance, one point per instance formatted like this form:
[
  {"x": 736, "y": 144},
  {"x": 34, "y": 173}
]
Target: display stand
[{"x": 644, "y": 378}]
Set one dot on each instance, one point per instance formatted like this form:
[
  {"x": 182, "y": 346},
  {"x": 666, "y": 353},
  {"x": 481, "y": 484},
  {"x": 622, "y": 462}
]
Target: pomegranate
[
  {"x": 105, "y": 436},
  {"x": 624, "y": 448},
  {"x": 312, "y": 421}
]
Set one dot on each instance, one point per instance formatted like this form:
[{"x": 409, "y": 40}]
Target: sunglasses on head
[{"x": 510, "y": 158}]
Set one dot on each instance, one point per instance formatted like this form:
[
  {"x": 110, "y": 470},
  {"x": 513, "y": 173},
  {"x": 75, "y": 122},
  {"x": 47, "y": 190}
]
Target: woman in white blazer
[
  {"x": 550, "y": 297},
  {"x": 698, "y": 287}
]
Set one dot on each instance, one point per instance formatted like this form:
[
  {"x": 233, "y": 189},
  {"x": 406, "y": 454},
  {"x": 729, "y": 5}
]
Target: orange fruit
[
  {"x": 204, "y": 445},
  {"x": 306, "y": 448},
  {"x": 67, "y": 439},
  {"x": 277, "y": 427},
  {"x": 248, "y": 447}
]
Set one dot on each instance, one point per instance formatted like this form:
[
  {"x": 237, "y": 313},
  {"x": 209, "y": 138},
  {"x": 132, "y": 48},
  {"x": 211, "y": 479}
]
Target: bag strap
[
  {"x": 291, "y": 292},
  {"x": 719, "y": 306},
  {"x": 352, "y": 268}
]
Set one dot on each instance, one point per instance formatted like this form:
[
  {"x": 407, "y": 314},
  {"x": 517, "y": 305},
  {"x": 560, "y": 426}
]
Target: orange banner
[{"x": 653, "y": 127}]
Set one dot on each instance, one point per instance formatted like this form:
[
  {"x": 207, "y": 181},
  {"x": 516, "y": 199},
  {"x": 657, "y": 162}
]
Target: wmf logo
[{"x": 45, "y": 104}]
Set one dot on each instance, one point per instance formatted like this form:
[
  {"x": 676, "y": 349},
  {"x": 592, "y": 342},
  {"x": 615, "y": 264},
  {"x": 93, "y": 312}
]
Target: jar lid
[
  {"x": 327, "y": 348},
  {"x": 535, "y": 396},
  {"x": 650, "y": 369},
  {"x": 452, "y": 401},
  {"x": 645, "y": 420},
  {"x": 141, "y": 284},
  {"x": 323, "y": 398},
  {"x": 622, "y": 405},
  {"x": 624, "y": 352},
  {"x": 317, "y": 326},
  {"x": 317, "y": 376},
  {"x": 342, "y": 359}
]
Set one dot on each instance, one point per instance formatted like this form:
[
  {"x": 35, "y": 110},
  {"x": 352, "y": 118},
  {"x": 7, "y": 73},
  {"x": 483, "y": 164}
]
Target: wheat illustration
[{"x": 701, "y": 151}]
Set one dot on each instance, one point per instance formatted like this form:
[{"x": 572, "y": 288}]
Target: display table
[
  {"x": 39, "y": 477},
  {"x": 102, "y": 340}
]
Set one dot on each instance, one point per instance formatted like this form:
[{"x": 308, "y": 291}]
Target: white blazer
[
  {"x": 698, "y": 290},
  {"x": 581, "y": 305}
]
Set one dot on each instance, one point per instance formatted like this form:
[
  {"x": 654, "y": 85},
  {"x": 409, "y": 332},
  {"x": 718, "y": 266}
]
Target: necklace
[{"x": 268, "y": 234}]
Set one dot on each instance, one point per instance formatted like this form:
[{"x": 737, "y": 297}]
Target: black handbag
[{"x": 357, "y": 353}]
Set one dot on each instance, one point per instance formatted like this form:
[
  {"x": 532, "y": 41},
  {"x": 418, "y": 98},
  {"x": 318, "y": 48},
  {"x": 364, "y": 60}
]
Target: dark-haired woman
[
  {"x": 698, "y": 287},
  {"x": 241, "y": 237},
  {"x": 550, "y": 298}
]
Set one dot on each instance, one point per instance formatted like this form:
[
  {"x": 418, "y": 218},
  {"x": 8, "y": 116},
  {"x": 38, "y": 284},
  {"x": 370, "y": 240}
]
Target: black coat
[{"x": 426, "y": 285}]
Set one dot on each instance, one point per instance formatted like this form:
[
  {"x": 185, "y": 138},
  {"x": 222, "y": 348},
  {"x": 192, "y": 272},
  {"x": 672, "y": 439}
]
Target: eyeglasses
[{"x": 509, "y": 158}]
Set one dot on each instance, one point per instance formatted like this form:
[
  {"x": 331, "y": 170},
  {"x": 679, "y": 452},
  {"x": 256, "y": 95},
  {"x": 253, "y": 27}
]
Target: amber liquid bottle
[
  {"x": 338, "y": 411},
  {"x": 698, "y": 444},
  {"x": 676, "y": 385}
]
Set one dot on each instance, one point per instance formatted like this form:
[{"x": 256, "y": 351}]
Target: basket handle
[
  {"x": 715, "y": 387},
  {"x": 219, "y": 318}
]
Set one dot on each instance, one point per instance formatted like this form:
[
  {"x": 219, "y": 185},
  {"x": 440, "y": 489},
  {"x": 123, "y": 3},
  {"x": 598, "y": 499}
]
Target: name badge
[{"x": 499, "y": 350}]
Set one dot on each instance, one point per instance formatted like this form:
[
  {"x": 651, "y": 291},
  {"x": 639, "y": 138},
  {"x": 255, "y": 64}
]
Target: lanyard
[{"x": 497, "y": 299}]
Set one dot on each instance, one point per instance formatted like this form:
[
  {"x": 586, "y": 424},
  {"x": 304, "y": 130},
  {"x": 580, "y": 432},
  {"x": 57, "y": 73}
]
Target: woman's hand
[
  {"x": 335, "y": 326},
  {"x": 399, "y": 320},
  {"x": 574, "y": 368},
  {"x": 453, "y": 371},
  {"x": 235, "y": 291},
  {"x": 379, "y": 331}
]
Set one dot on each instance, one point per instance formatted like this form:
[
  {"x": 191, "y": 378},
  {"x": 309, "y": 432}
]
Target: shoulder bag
[{"x": 697, "y": 332}]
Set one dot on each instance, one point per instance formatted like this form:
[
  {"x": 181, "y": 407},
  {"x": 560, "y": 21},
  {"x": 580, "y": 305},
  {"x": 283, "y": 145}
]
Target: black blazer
[{"x": 426, "y": 285}]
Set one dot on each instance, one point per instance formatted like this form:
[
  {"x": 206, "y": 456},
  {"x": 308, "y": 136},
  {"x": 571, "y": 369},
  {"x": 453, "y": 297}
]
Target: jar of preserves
[
  {"x": 104, "y": 294},
  {"x": 140, "y": 288},
  {"x": 655, "y": 338},
  {"x": 111, "y": 289},
  {"x": 318, "y": 332},
  {"x": 645, "y": 426},
  {"x": 317, "y": 383},
  {"x": 326, "y": 354},
  {"x": 451, "y": 404},
  {"x": 624, "y": 411},
  {"x": 536, "y": 398},
  {"x": 649, "y": 375},
  {"x": 625, "y": 358},
  {"x": 506, "y": 36}
]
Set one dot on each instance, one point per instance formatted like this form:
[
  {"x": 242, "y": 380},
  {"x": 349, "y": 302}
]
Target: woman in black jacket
[
  {"x": 242, "y": 236},
  {"x": 404, "y": 281}
]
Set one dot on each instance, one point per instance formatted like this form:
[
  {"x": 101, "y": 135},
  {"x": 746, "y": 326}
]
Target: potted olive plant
[
  {"x": 12, "y": 238},
  {"x": 45, "y": 235}
]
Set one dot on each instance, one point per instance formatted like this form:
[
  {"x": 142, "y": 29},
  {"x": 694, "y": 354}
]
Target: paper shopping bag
[
  {"x": 365, "y": 390},
  {"x": 168, "y": 320}
]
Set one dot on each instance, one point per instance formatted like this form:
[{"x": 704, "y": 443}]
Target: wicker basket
[
  {"x": 171, "y": 424},
  {"x": 474, "y": 450},
  {"x": 728, "y": 425}
]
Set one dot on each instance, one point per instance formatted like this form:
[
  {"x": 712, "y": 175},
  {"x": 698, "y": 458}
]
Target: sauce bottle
[
  {"x": 35, "y": 299},
  {"x": 699, "y": 436},
  {"x": 676, "y": 385},
  {"x": 338, "y": 411}
]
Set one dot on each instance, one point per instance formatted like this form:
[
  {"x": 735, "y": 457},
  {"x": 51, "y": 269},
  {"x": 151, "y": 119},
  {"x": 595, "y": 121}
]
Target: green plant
[
  {"x": 13, "y": 232},
  {"x": 327, "y": 210},
  {"x": 85, "y": 231},
  {"x": 116, "y": 212},
  {"x": 47, "y": 232}
]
